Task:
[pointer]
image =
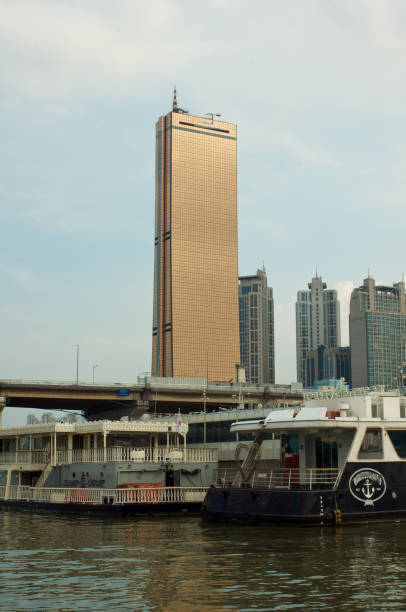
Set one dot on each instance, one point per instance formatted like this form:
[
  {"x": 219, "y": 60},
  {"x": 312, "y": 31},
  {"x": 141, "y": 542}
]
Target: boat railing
[
  {"x": 142, "y": 494},
  {"x": 137, "y": 454},
  {"x": 115, "y": 454},
  {"x": 36, "y": 457},
  {"x": 280, "y": 478}
]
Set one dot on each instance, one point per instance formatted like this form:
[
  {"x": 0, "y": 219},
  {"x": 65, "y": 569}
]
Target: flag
[{"x": 179, "y": 423}]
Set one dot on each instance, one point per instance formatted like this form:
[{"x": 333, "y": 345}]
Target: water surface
[{"x": 50, "y": 562}]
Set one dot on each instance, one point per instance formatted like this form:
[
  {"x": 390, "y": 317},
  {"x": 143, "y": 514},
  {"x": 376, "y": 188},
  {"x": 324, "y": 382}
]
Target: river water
[{"x": 50, "y": 562}]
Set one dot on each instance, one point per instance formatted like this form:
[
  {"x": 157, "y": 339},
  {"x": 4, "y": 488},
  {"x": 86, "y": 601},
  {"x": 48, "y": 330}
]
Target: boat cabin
[
  {"x": 316, "y": 442},
  {"x": 102, "y": 454}
]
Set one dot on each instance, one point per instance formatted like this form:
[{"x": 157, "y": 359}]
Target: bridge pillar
[{"x": 2, "y": 406}]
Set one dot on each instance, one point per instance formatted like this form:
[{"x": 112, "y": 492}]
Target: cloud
[
  {"x": 84, "y": 49},
  {"x": 313, "y": 51}
]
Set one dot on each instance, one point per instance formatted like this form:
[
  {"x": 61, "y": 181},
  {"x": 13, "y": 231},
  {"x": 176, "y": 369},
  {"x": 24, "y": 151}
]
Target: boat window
[
  {"x": 398, "y": 439},
  {"x": 62, "y": 442},
  {"x": 371, "y": 446},
  {"x": 24, "y": 443},
  {"x": 78, "y": 442},
  {"x": 122, "y": 440},
  {"x": 290, "y": 444},
  {"x": 326, "y": 453},
  {"x": 9, "y": 445},
  {"x": 15, "y": 478},
  {"x": 37, "y": 443}
]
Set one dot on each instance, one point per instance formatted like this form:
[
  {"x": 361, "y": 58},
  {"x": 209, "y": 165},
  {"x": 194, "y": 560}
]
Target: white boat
[{"x": 104, "y": 467}]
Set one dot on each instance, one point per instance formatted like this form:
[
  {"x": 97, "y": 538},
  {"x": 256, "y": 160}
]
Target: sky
[{"x": 318, "y": 91}]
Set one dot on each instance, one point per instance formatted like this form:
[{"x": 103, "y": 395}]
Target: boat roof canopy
[
  {"x": 131, "y": 427},
  {"x": 306, "y": 417}
]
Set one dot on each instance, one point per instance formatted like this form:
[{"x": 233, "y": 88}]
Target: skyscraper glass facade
[
  {"x": 317, "y": 322},
  {"x": 257, "y": 340},
  {"x": 195, "y": 311},
  {"x": 378, "y": 334}
]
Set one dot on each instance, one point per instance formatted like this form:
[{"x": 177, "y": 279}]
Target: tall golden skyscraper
[{"x": 196, "y": 320}]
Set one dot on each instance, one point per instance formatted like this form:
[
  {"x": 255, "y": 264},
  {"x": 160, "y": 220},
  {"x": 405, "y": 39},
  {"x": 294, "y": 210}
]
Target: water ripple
[{"x": 72, "y": 563}]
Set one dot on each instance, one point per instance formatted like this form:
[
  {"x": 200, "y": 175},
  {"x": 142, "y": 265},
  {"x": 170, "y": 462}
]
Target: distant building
[
  {"x": 32, "y": 419},
  {"x": 317, "y": 322},
  {"x": 195, "y": 308},
  {"x": 378, "y": 335},
  {"x": 72, "y": 418},
  {"x": 48, "y": 417},
  {"x": 314, "y": 366},
  {"x": 328, "y": 363},
  {"x": 337, "y": 363},
  {"x": 257, "y": 338}
]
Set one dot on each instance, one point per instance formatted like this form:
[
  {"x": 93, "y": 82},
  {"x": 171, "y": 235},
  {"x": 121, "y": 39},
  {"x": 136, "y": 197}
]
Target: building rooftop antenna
[
  {"x": 212, "y": 117},
  {"x": 175, "y": 107},
  {"x": 175, "y": 101}
]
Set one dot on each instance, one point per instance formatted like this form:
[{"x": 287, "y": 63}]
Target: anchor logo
[
  {"x": 368, "y": 489},
  {"x": 367, "y": 485}
]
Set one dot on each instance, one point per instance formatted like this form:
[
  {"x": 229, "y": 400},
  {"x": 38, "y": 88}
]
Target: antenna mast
[{"x": 175, "y": 101}]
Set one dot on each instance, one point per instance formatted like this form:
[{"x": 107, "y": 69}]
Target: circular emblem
[{"x": 367, "y": 485}]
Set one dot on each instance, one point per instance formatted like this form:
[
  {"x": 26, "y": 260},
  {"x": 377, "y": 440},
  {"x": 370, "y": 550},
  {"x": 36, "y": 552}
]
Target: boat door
[
  {"x": 172, "y": 478},
  {"x": 326, "y": 453}
]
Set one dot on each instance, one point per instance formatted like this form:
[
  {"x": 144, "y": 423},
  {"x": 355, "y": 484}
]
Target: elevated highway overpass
[{"x": 115, "y": 400}]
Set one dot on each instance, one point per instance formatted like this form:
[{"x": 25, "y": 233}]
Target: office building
[
  {"x": 378, "y": 334},
  {"x": 328, "y": 363},
  {"x": 195, "y": 310},
  {"x": 317, "y": 322},
  {"x": 257, "y": 340}
]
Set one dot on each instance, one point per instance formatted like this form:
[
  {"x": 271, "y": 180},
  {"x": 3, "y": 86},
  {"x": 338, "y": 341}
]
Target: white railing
[
  {"x": 142, "y": 494},
  {"x": 116, "y": 454},
  {"x": 281, "y": 478},
  {"x": 37, "y": 457},
  {"x": 136, "y": 454}
]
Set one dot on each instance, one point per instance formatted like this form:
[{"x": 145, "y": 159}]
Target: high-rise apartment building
[
  {"x": 378, "y": 334},
  {"x": 317, "y": 322},
  {"x": 195, "y": 318},
  {"x": 257, "y": 340}
]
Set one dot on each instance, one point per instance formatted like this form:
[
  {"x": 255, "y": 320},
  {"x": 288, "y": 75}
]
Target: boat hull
[
  {"x": 365, "y": 493},
  {"x": 110, "y": 510}
]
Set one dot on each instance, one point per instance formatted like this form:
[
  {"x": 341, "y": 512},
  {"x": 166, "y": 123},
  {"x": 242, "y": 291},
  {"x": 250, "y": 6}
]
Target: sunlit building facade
[
  {"x": 378, "y": 334},
  {"x": 195, "y": 311},
  {"x": 317, "y": 322},
  {"x": 257, "y": 339}
]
